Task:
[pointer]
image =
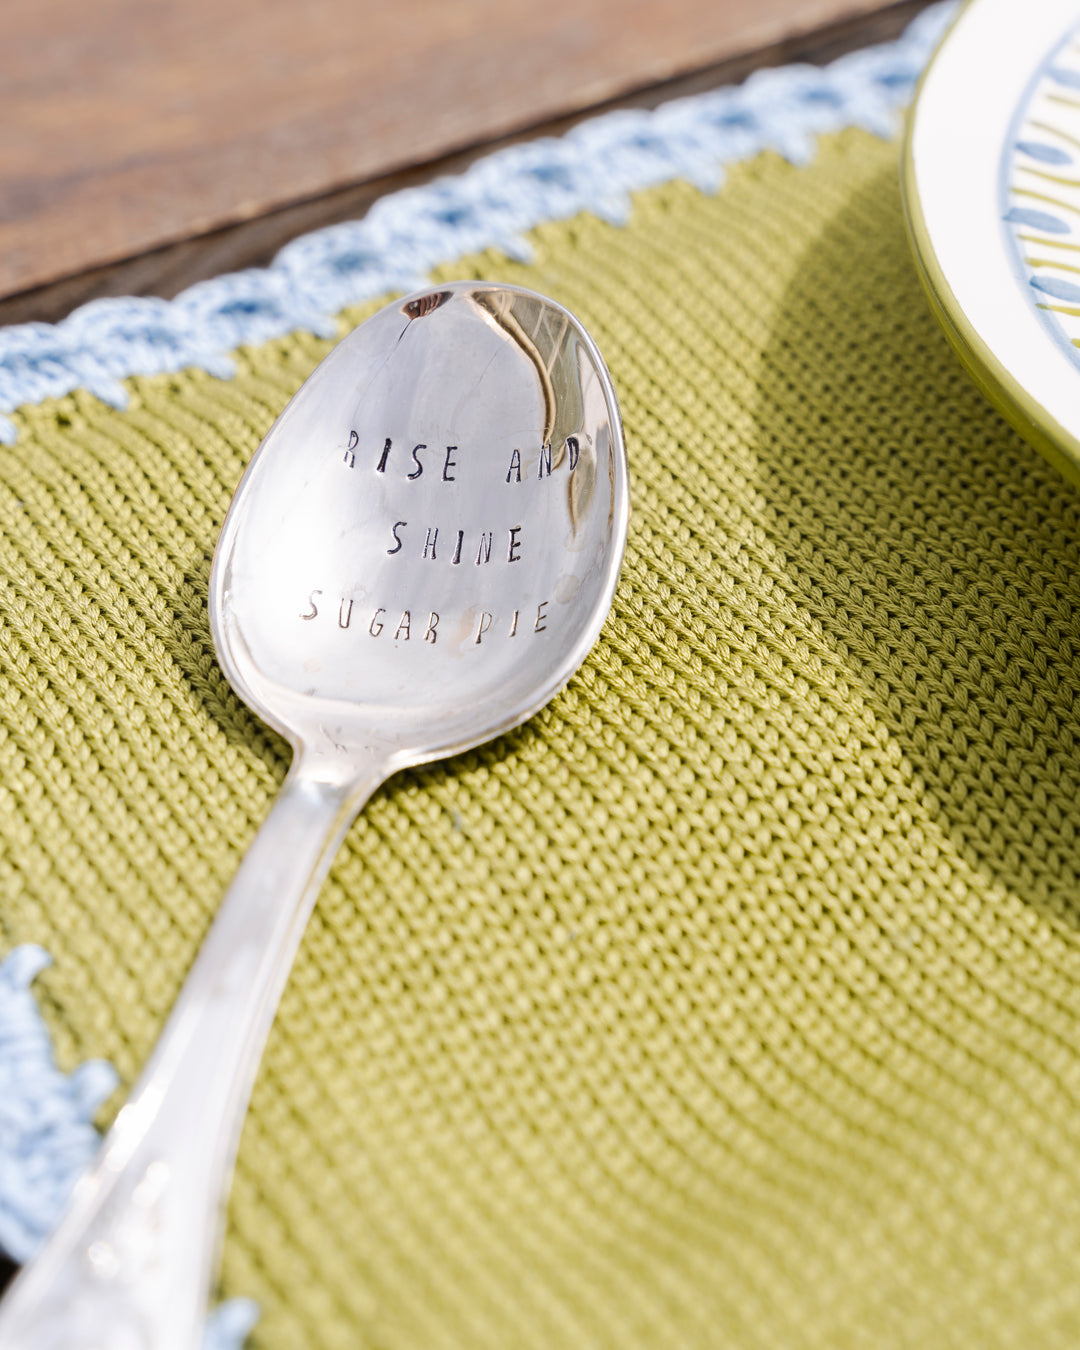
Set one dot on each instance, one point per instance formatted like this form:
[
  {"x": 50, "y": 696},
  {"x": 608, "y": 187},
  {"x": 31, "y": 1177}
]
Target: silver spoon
[{"x": 421, "y": 553}]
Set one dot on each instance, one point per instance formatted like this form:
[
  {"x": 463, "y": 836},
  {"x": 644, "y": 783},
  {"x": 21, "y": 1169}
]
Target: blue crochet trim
[
  {"x": 228, "y": 1325},
  {"x": 594, "y": 167},
  {"x": 47, "y": 1134}
]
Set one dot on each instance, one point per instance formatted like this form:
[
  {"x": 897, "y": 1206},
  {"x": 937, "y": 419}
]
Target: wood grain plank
[
  {"x": 132, "y": 123},
  {"x": 167, "y": 270}
]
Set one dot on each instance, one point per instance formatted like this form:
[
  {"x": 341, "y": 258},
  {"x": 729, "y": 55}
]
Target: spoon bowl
[
  {"x": 421, "y": 553},
  {"x": 427, "y": 542}
]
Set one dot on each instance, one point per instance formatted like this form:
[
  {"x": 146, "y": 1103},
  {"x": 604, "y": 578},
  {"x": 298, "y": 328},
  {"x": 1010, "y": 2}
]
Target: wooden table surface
[{"x": 137, "y": 135}]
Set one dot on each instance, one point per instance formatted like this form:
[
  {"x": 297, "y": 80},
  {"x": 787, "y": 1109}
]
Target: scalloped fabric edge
[
  {"x": 594, "y": 167},
  {"x": 47, "y": 1134}
]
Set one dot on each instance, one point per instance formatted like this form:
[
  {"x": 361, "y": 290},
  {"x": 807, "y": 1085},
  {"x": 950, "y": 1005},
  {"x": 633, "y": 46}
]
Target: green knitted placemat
[{"x": 734, "y": 1001}]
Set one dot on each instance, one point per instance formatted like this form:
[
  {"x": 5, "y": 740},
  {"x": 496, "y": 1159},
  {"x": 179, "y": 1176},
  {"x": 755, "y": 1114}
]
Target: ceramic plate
[{"x": 992, "y": 193}]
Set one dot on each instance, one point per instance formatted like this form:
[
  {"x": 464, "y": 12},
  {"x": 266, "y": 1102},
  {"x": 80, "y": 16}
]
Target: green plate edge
[{"x": 1059, "y": 446}]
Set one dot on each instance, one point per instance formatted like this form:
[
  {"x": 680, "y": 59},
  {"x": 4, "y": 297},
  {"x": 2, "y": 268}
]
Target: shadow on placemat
[{"x": 937, "y": 551}]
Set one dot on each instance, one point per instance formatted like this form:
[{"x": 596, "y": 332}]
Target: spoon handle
[{"x": 130, "y": 1265}]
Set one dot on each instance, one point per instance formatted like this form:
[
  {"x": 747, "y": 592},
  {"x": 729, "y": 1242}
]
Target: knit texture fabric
[{"x": 733, "y": 1001}]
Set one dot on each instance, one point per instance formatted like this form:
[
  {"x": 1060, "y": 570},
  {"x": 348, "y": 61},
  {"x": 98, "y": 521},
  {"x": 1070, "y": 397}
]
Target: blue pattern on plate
[
  {"x": 1040, "y": 192},
  {"x": 1036, "y": 220},
  {"x": 1059, "y": 289},
  {"x": 1045, "y": 154}
]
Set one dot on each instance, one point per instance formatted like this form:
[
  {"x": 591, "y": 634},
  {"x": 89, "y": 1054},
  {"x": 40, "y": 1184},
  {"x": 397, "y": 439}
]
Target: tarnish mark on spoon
[{"x": 425, "y": 304}]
